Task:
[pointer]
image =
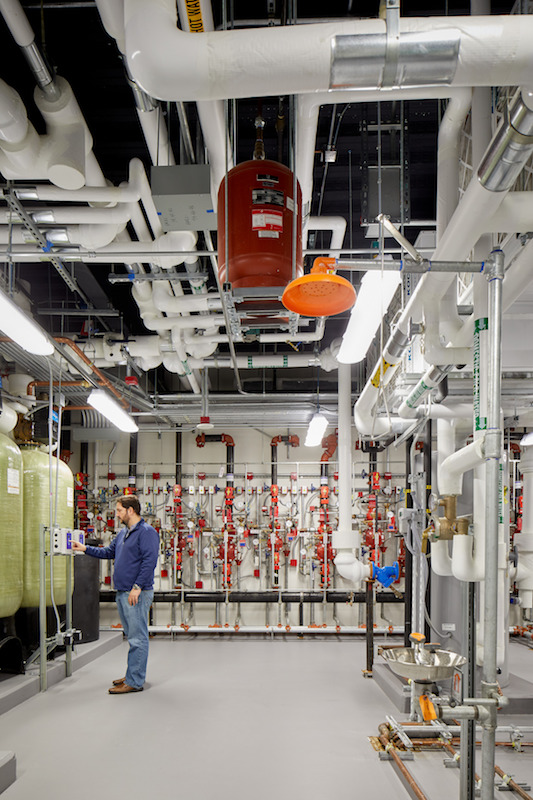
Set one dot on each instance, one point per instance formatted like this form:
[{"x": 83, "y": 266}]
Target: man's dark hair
[{"x": 130, "y": 501}]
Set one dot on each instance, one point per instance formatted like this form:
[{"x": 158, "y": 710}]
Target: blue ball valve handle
[{"x": 386, "y": 575}]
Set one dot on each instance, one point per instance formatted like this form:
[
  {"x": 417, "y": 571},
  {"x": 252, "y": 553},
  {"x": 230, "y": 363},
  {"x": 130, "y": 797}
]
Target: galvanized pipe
[{"x": 493, "y": 454}]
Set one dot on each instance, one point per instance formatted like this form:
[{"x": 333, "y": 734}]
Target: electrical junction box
[
  {"x": 62, "y": 539},
  {"x": 182, "y": 197}
]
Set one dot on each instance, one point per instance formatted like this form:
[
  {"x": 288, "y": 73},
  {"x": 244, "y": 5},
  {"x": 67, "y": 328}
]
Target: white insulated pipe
[
  {"x": 307, "y": 122},
  {"x": 17, "y": 22},
  {"x": 188, "y": 322},
  {"x": 128, "y": 252},
  {"x": 112, "y": 16},
  {"x": 343, "y": 538},
  {"x": 350, "y": 568},
  {"x": 210, "y": 113},
  {"x": 258, "y": 361},
  {"x": 299, "y": 336},
  {"x": 337, "y": 226},
  {"x": 13, "y": 118},
  {"x": 441, "y": 560},
  {"x": 166, "y": 301},
  {"x": 448, "y": 157},
  {"x": 170, "y": 64},
  {"x": 513, "y": 216},
  {"x": 454, "y": 466},
  {"x": 125, "y": 193}
]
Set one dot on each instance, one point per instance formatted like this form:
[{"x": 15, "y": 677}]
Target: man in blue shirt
[{"x": 135, "y": 549}]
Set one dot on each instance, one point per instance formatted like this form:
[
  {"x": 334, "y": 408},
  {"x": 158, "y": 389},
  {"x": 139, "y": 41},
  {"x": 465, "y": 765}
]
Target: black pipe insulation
[
  {"x": 369, "y": 638},
  {"x": 230, "y": 464},
  {"x": 369, "y": 588},
  {"x": 84, "y": 457},
  {"x": 132, "y": 464},
  {"x": 108, "y": 596},
  {"x": 274, "y": 464},
  {"x": 179, "y": 457}
]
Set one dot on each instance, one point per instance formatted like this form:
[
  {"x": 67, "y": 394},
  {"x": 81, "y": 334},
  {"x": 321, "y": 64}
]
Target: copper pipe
[
  {"x": 33, "y": 384},
  {"x": 498, "y": 770},
  {"x": 456, "y": 740},
  {"x": 103, "y": 380},
  {"x": 514, "y": 786},
  {"x": 447, "y": 746},
  {"x": 389, "y": 747}
]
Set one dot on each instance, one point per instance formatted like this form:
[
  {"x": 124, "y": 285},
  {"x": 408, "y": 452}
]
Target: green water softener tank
[
  {"x": 36, "y": 487},
  {"x": 10, "y": 527}
]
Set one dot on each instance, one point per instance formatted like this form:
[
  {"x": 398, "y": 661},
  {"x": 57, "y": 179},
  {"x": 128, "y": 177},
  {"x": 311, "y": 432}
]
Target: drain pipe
[{"x": 343, "y": 539}]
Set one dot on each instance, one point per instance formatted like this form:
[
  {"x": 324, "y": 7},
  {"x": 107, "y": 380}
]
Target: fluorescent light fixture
[
  {"x": 23, "y": 330},
  {"x": 374, "y": 297},
  {"x": 316, "y": 430},
  {"x": 111, "y": 410},
  {"x": 526, "y": 440}
]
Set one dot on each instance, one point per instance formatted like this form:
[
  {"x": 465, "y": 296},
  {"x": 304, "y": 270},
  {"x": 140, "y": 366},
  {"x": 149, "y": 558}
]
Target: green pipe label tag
[{"x": 416, "y": 395}]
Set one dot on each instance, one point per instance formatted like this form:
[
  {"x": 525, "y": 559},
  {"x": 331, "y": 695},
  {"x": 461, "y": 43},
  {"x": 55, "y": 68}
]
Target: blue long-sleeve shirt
[{"x": 135, "y": 551}]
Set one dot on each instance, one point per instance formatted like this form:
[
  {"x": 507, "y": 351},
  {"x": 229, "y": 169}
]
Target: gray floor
[{"x": 219, "y": 719}]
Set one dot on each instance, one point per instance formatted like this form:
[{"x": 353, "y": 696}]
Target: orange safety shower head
[{"x": 321, "y": 293}]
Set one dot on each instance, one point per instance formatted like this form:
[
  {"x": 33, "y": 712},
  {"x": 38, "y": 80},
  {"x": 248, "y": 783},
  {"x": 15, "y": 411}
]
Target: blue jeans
[{"x": 134, "y": 621}]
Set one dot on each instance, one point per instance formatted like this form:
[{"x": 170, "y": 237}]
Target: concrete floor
[{"x": 239, "y": 719}]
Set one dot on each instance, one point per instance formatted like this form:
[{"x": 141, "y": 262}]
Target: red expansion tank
[{"x": 260, "y": 225}]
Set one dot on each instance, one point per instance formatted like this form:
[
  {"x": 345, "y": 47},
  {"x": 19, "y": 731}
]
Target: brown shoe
[
  {"x": 123, "y": 688},
  {"x": 119, "y": 681}
]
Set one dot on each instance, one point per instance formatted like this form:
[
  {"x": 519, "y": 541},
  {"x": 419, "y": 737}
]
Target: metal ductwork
[{"x": 511, "y": 147}]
